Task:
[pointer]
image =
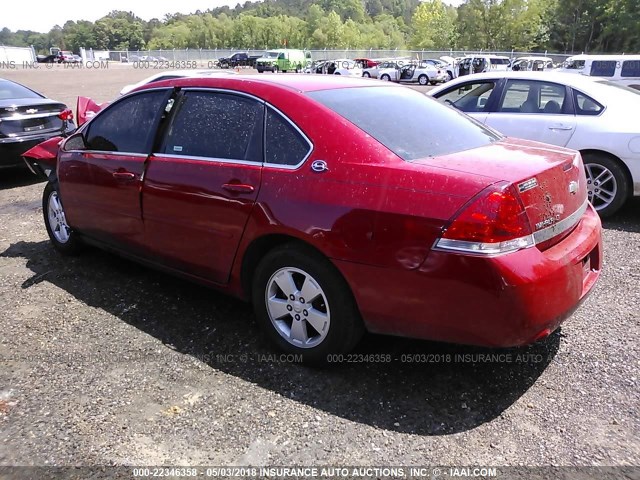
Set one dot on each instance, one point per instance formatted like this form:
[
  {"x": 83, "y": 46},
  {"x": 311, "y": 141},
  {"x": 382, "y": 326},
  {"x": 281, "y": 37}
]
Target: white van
[
  {"x": 622, "y": 69},
  {"x": 480, "y": 63}
]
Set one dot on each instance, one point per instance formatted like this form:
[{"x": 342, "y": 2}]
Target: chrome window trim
[
  {"x": 205, "y": 159},
  {"x": 562, "y": 226},
  {"x": 309, "y": 143},
  {"x": 107, "y": 152}
]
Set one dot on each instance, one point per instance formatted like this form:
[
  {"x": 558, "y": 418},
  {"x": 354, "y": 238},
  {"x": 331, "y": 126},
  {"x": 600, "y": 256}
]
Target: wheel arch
[
  {"x": 261, "y": 246},
  {"x": 625, "y": 168}
]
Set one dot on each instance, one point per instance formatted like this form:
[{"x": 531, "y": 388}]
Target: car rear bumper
[
  {"x": 504, "y": 301},
  {"x": 11, "y": 149}
]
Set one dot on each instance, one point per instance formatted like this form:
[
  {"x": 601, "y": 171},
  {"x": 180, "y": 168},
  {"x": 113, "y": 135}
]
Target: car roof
[
  {"x": 561, "y": 77},
  {"x": 296, "y": 82}
]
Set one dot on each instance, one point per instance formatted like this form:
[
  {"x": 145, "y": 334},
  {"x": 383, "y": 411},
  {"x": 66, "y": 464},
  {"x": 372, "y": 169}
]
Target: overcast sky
[{"x": 42, "y": 15}]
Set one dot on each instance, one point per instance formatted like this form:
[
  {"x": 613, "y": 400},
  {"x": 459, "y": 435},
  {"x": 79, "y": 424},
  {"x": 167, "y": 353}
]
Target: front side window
[
  {"x": 128, "y": 125},
  {"x": 403, "y": 120},
  {"x": 470, "y": 97},
  {"x": 284, "y": 144},
  {"x": 216, "y": 125}
]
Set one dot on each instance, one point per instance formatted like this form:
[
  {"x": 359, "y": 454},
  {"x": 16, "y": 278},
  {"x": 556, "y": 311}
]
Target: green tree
[{"x": 433, "y": 27}]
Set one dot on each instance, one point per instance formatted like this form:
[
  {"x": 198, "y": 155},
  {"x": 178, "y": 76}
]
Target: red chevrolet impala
[{"x": 336, "y": 205}]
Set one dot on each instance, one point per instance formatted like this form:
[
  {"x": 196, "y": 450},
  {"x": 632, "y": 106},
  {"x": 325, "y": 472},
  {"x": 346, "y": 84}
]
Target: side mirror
[{"x": 76, "y": 141}]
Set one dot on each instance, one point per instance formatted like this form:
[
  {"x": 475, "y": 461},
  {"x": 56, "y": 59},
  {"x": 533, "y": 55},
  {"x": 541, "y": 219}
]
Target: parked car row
[{"x": 62, "y": 56}]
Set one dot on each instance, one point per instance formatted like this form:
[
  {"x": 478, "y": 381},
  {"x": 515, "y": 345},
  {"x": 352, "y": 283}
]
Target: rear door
[
  {"x": 101, "y": 171},
  {"x": 202, "y": 181},
  {"x": 534, "y": 110}
]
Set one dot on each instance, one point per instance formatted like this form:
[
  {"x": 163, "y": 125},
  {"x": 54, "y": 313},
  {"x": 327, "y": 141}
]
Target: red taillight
[
  {"x": 66, "y": 115},
  {"x": 495, "y": 222}
]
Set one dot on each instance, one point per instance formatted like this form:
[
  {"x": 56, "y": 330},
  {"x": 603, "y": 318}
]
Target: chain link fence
[{"x": 204, "y": 56}]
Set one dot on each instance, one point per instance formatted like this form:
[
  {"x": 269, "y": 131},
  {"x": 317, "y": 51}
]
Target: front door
[
  {"x": 101, "y": 172},
  {"x": 202, "y": 182}
]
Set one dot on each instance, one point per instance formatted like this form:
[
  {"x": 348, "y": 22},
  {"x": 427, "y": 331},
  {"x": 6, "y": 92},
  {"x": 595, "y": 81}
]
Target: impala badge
[
  {"x": 573, "y": 187},
  {"x": 528, "y": 185}
]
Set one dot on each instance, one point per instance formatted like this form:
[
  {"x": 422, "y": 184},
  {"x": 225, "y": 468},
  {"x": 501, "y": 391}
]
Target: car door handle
[
  {"x": 560, "y": 127},
  {"x": 124, "y": 175},
  {"x": 238, "y": 188}
]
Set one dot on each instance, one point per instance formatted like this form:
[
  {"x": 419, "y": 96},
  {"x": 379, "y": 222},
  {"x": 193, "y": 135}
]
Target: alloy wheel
[
  {"x": 298, "y": 307},
  {"x": 57, "y": 220},
  {"x": 602, "y": 186}
]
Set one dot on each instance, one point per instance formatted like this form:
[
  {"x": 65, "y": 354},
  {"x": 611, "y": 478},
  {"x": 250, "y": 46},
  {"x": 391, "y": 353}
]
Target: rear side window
[
  {"x": 285, "y": 145},
  {"x": 630, "y": 68},
  {"x": 129, "y": 125},
  {"x": 407, "y": 122},
  {"x": 603, "y": 68},
  {"x": 499, "y": 61},
  {"x": 216, "y": 125},
  {"x": 586, "y": 105}
]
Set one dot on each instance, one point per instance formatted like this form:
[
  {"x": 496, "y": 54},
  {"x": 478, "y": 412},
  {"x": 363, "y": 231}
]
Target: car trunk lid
[
  {"x": 550, "y": 181},
  {"x": 29, "y": 116}
]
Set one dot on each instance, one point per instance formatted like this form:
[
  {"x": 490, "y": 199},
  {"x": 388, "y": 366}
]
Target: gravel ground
[{"x": 105, "y": 362}]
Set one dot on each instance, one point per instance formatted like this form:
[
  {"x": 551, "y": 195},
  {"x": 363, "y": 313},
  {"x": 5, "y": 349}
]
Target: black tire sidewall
[
  {"x": 72, "y": 246},
  {"x": 346, "y": 326},
  {"x": 621, "y": 179}
]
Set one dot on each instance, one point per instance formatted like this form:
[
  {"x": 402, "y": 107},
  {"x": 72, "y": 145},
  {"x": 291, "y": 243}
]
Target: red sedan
[{"x": 336, "y": 205}]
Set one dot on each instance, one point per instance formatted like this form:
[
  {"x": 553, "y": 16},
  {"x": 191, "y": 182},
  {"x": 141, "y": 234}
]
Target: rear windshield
[
  {"x": 408, "y": 123},
  {"x": 619, "y": 86},
  {"x": 10, "y": 90}
]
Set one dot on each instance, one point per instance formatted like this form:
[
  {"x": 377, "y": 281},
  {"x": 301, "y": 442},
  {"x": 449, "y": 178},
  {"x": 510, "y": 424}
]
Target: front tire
[
  {"x": 385, "y": 78},
  {"x": 63, "y": 238},
  {"x": 304, "y": 305},
  {"x": 607, "y": 183}
]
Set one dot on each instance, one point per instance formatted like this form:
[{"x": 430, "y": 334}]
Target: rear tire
[
  {"x": 423, "y": 79},
  {"x": 607, "y": 184},
  {"x": 326, "y": 322},
  {"x": 63, "y": 238},
  {"x": 366, "y": 75},
  {"x": 385, "y": 78}
]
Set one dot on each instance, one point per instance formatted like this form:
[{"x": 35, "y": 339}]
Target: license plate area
[{"x": 34, "y": 128}]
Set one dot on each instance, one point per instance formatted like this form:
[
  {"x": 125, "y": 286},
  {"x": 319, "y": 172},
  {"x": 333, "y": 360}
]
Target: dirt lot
[{"x": 106, "y": 362}]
